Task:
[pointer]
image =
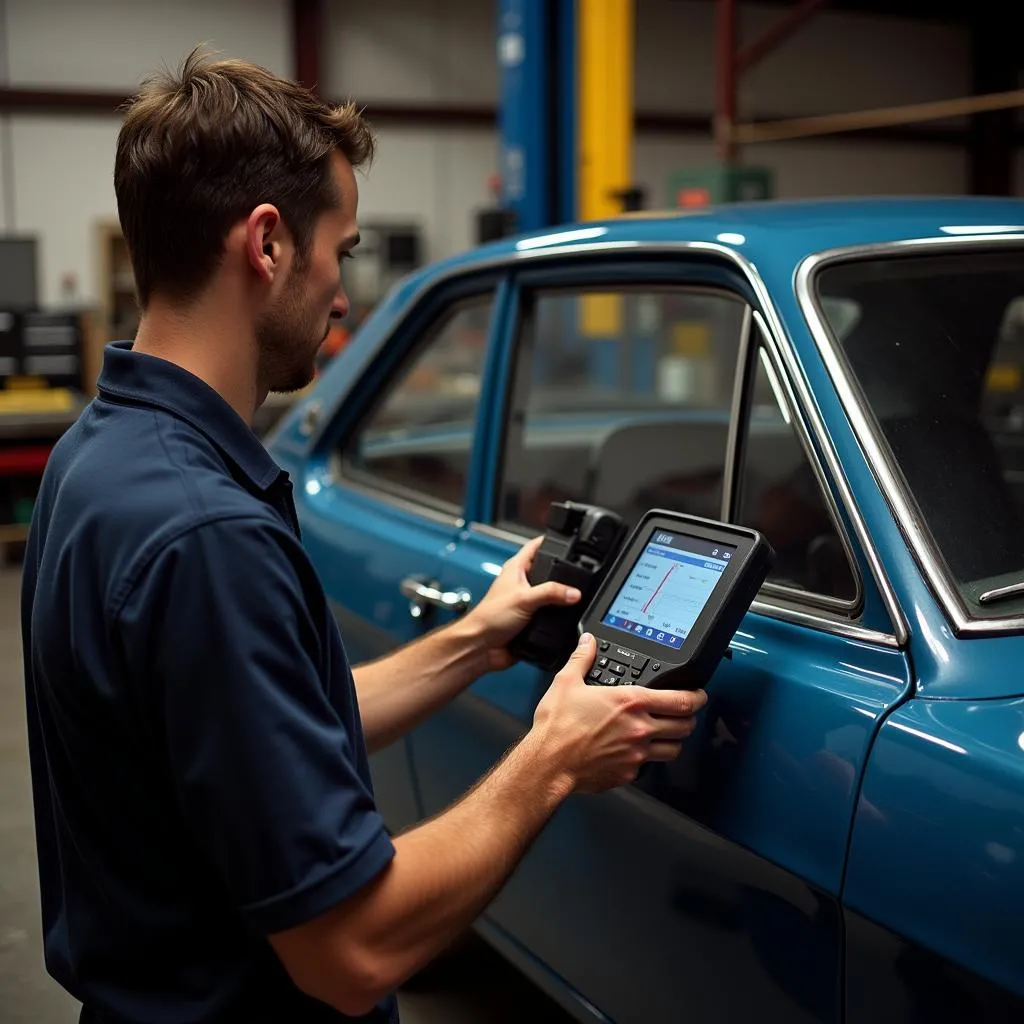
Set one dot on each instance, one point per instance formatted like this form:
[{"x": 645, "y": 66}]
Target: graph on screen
[{"x": 664, "y": 594}]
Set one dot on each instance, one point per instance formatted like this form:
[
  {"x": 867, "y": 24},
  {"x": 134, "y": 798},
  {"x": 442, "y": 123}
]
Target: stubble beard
[{"x": 288, "y": 339}]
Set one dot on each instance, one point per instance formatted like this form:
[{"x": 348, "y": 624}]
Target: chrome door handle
[{"x": 421, "y": 594}]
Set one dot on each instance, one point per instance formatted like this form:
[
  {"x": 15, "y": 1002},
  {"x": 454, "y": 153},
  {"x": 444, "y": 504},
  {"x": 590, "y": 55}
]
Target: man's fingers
[
  {"x": 663, "y": 751},
  {"x": 672, "y": 728},
  {"x": 525, "y": 555},
  {"x": 550, "y": 593},
  {"x": 675, "y": 703}
]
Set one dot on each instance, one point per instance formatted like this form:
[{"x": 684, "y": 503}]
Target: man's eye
[{"x": 342, "y": 256}]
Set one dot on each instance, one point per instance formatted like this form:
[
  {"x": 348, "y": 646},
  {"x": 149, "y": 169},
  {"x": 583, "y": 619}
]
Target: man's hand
[
  {"x": 510, "y": 602},
  {"x": 584, "y": 739},
  {"x": 601, "y": 736}
]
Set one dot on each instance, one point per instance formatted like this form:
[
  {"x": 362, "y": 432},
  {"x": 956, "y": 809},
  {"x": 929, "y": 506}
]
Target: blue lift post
[
  {"x": 537, "y": 112},
  {"x": 566, "y": 129},
  {"x": 537, "y": 119}
]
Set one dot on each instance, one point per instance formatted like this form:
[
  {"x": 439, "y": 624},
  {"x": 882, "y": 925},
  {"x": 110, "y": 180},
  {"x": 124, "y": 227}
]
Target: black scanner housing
[
  {"x": 580, "y": 544},
  {"x": 691, "y": 666}
]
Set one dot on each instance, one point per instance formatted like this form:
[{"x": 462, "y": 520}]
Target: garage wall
[
  {"x": 61, "y": 167},
  {"x": 55, "y": 172},
  {"x": 837, "y": 61},
  {"x": 440, "y": 51}
]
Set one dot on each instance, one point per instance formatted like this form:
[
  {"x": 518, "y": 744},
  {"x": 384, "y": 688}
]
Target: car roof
[{"x": 774, "y": 230}]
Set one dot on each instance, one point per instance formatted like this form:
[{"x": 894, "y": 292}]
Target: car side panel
[
  {"x": 645, "y": 913},
  {"x": 890, "y": 980},
  {"x": 937, "y": 854},
  {"x": 637, "y": 897},
  {"x": 350, "y": 537}
]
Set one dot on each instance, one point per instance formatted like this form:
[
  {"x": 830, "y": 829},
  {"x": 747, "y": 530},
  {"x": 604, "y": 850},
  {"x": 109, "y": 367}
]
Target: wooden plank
[
  {"x": 885, "y": 117},
  {"x": 13, "y": 533}
]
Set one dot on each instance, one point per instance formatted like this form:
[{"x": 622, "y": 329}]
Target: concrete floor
[{"x": 476, "y": 986}]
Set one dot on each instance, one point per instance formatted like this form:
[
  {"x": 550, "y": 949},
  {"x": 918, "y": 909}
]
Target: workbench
[{"x": 31, "y": 423}]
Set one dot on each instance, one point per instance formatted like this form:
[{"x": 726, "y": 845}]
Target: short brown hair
[{"x": 201, "y": 148}]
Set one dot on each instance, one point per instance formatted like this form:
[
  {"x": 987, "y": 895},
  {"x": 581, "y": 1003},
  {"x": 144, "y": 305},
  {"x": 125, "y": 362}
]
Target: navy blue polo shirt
[{"x": 198, "y": 766}]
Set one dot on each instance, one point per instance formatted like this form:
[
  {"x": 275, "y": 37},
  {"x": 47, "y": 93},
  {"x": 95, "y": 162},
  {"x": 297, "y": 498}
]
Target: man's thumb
[{"x": 583, "y": 657}]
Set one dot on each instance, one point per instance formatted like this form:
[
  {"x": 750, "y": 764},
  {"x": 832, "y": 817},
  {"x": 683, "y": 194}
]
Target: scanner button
[
  {"x": 636, "y": 673},
  {"x": 619, "y": 670},
  {"x": 610, "y": 681},
  {"x": 595, "y": 675},
  {"x": 605, "y": 645},
  {"x": 632, "y": 658},
  {"x": 656, "y": 666},
  {"x": 602, "y": 662}
]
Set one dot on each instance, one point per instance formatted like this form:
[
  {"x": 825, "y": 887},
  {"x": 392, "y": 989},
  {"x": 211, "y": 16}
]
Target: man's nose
[{"x": 340, "y": 305}]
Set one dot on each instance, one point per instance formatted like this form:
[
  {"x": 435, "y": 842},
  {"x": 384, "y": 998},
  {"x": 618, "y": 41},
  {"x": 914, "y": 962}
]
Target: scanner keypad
[{"x": 619, "y": 666}]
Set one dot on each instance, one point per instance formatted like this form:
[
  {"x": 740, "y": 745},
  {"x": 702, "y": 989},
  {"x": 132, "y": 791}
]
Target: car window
[
  {"x": 621, "y": 399},
  {"x": 781, "y": 495},
  {"x": 936, "y": 344},
  {"x": 418, "y": 438}
]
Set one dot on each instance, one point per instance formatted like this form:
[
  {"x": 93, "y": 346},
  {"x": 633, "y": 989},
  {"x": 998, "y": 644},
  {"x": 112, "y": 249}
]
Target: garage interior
[{"x": 678, "y": 104}]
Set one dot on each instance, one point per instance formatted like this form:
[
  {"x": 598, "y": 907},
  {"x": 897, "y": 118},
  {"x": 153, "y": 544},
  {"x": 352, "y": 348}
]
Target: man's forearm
[
  {"x": 399, "y": 691},
  {"x": 447, "y": 870}
]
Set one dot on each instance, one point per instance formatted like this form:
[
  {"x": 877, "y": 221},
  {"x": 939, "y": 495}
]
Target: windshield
[{"x": 936, "y": 343}]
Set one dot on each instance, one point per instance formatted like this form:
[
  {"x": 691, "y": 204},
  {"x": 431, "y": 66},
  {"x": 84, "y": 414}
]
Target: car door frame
[
  {"x": 880, "y": 619},
  {"x": 366, "y": 387},
  {"x": 874, "y": 626}
]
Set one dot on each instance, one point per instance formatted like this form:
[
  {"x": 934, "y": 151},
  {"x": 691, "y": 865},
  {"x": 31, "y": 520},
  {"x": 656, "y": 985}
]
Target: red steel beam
[
  {"x": 307, "y": 31},
  {"x": 776, "y": 34},
  {"x": 725, "y": 77},
  {"x": 60, "y": 101},
  {"x": 426, "y": 115}
]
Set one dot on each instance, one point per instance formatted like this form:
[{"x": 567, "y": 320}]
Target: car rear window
[{"x": 936, "y": 344}]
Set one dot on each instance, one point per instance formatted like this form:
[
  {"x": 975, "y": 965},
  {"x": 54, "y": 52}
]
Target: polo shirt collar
[{"x": 148, "y": 380}]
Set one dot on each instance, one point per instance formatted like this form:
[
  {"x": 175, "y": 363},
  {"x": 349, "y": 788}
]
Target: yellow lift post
[{"x": 605, "y": 36}]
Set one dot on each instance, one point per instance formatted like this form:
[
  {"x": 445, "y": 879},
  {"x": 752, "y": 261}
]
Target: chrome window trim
[
  {"x": 739, "y": 386},
  {"x": 404, "y": 499},
  {"x": 900, "y": 634},
  {"x": 876, "y": 449},
  {"x": 803, "y": 435},
  {"x": 827, "y": 624},
  {"x": 499, "y": 533}
]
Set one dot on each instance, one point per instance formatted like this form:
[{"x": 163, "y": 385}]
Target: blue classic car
[{"x": 843, "y": 837}]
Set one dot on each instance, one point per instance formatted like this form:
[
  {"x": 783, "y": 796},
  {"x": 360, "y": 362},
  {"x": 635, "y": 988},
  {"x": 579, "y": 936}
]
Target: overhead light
[
  {"x": 776, "y": 386},
  {"x": 561, "y": 238},
  {"x": 731, "y": 238},
  {"x": 922, "y": 735},
  {"x": 313, "y": 487},
  {"x": 981, "y": 229}
]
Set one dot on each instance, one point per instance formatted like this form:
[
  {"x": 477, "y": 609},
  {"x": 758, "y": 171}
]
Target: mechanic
[{"x": 209, "y": 849}]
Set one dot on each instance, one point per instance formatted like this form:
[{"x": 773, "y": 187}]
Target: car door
[
  {"x": 384, "y": 490},
  {"x": 709, "y": 889}
]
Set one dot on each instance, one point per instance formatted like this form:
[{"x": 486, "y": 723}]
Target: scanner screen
[{"x": 668, "y": 587}]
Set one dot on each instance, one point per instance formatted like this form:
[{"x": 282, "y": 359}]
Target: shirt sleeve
[{"x": 219, "y": 634}]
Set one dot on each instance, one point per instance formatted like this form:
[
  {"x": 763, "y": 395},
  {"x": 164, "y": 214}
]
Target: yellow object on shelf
[
  {"x": 1004, "y": 377},
  {"x": 601, "y": 316},
  {"x": 691, "y": 339},
  {"x": 31, "y": 400}
]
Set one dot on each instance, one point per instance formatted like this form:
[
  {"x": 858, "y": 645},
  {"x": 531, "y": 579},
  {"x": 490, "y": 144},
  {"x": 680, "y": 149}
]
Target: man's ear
[{"x": 264, "y": 230}]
